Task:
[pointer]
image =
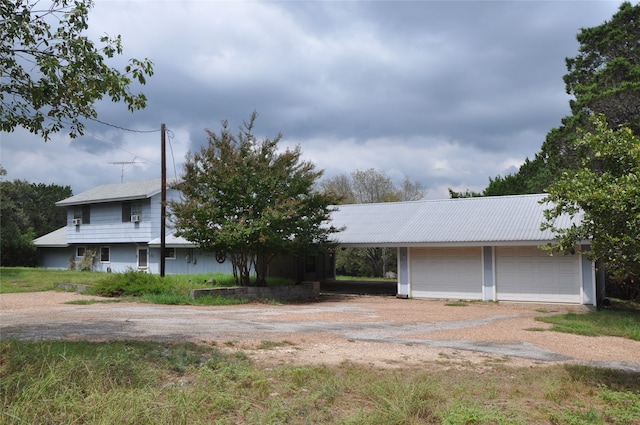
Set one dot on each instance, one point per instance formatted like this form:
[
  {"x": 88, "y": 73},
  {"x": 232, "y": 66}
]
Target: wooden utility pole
[{"x": 163, "y": 198}]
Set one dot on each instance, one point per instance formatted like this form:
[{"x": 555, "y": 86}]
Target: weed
[
  {"x": 270, "y": 345},
  {"x": 91, "y": 301},
  {"x": 154, "y": 383},
  {"x": 621, "y": 323},
  {"x": 457, "y": 304}
]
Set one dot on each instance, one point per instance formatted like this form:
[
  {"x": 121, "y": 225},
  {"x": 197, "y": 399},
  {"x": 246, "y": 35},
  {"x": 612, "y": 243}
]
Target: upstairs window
[
  {"x": 131, "y": 209},
  {"x": 83, "y": 213}
]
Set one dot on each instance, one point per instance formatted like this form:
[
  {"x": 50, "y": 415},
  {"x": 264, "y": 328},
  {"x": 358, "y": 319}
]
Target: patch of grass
[
  {"x": 620, "y": 323},
  {"x": 132, "y": 285},
  {"x": 155, "y": 383},
  {"x": 366, "y": 279},
  {"x": 270, "y": 345},
  {"x": 92, "y": 301},
  {"x": 32, "y": 279},
  {"x": 457, "y": 304}
]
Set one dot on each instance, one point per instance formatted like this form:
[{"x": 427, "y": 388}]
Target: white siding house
[
  {"x": 121, "y": 223},
  {"x": 471, "y": 248}
]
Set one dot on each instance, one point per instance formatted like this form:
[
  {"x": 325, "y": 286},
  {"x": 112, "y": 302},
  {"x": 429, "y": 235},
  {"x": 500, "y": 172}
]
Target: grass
[
  {"x": 30, "y": 279},
  {"x": 131, "y": 285},
  {"x": 184, "y": 383},
  {"x": 366, "y": 279},
  {"x": 622, "y": 321}
]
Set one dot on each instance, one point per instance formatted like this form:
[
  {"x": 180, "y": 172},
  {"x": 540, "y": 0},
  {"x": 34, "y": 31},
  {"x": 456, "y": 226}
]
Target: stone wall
[{"x": 285, "y": 292}]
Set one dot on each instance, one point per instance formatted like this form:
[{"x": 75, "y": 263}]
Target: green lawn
[
  {"x": 622, "y": 320},
  {"x": 134, "y": 286}
]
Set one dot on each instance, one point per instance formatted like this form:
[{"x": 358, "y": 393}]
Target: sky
[{"x": 444, "y": 93}]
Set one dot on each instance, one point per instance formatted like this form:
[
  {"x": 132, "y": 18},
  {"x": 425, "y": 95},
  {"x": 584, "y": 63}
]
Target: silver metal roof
[
  {"x": 115, "y": 192},
  {"x": 465, "y": 221}
]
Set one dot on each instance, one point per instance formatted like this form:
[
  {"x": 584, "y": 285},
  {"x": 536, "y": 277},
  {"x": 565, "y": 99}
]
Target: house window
[
  {"x": 129, "y": 209},
  {"x": 126, "y": 212},
  {"x": 170, "y": 253},
  {"x": 83, "y": 213},
  {"x": 105, "y": 254},
  {"x": 80, "y": 251}
]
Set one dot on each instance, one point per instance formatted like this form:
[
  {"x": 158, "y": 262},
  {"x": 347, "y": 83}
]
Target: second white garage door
[
  {"x": 530, "y": 274},
  {"x": 446, "y": 273}
]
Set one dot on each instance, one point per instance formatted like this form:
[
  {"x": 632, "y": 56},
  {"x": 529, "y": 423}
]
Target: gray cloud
[{"x": 447, "y": 93}]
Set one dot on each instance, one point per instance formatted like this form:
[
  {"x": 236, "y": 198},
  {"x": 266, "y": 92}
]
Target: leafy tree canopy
[
  {"x": 52, "y": 74},
  {"x": 27, "y": 211},
  {"x": 603, "y": 78},
  {"x": 370, "y": 186},
  {"x": 243, "y": 198},
  {"x": 605, "y": 195}
]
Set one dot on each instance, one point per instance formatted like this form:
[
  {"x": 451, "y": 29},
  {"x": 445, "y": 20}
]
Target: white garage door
[
  {"x": 530, "y": 274},
  {"x": 446, "y": 273}
]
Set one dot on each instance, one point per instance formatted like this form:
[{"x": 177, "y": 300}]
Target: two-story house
[{"x": 120, "y": 225}]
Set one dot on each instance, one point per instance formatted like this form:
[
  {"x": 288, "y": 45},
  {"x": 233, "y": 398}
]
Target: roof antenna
[{"x": 123, "y": 163}]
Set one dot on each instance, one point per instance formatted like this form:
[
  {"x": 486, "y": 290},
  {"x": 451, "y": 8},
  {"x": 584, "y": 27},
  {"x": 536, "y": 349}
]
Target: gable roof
[
  {"x": 499, "y": 220},
  {"x": 115, "y": 192}
]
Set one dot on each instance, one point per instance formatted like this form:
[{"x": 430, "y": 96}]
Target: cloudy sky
[{"x": 447, "y": 93}]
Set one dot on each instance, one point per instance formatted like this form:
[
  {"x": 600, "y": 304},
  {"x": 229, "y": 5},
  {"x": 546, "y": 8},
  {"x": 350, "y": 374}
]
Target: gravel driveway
[{"x": 379, "y": 330}]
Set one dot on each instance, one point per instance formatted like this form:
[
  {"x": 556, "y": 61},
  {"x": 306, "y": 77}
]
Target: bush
[{"x": 130, "y": 283}]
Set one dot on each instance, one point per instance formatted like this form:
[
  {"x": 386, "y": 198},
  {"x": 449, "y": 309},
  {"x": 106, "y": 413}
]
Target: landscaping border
[{"x": 302, "y": 290}]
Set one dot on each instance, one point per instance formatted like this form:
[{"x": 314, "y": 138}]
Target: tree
[
  {"x": 603, "y": 78},
  {"x": 604, "y": 196},
  {"x": 52, "y": 74},
  {"x": 243, "y": 198},
  {"x": 27, "y": 211},
  {"x": 369, "y": 186}
]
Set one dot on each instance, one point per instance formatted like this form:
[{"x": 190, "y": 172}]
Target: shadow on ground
[{"x": 359, "y": 287}]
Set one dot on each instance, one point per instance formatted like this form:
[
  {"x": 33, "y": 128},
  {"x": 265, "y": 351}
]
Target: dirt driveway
[{"x": 376, "y": 330}]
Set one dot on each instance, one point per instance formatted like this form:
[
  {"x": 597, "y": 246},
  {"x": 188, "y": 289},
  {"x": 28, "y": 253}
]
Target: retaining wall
[{"x": 286, "y": 292}]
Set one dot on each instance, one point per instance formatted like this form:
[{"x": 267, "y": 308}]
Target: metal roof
[
  {"x": 55, "y": 239},
  {"x": 464, "y": 221},
  {"x": 173, "y": 241},
  {"x": 115, "y": 192}
]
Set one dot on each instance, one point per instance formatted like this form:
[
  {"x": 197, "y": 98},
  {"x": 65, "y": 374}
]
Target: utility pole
[{"x": 163, "y": 198}]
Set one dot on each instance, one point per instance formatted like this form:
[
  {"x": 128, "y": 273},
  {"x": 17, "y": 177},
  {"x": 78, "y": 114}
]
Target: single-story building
[{"x": 485, "y": 248}]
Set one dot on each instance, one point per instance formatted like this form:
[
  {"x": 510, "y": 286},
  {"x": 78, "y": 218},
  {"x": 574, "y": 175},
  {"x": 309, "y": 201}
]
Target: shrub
[{"x": 132, "y": 283}]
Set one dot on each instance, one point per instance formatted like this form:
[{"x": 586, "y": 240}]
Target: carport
[{"x": 471, "y": 248}]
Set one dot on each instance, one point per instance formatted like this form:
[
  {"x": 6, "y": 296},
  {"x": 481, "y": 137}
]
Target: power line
[{"x": 123, "y": 128}]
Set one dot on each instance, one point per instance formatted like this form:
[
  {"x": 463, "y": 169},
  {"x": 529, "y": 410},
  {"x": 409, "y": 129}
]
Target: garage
[
  {"x": 482, "y": 248},
  {"x": 527, "y": 273},
  {"x": 446, "y": 272}
]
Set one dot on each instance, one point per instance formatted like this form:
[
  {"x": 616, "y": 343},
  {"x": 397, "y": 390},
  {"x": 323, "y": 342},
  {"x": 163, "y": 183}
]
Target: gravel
[{"x": 381, "y": 331}]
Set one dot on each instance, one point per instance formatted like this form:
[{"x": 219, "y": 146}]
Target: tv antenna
[{"x": 123, "y": 163}]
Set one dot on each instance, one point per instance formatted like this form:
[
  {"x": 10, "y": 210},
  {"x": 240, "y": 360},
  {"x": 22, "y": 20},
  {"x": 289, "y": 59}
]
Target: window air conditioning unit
[
  {"x": 135, "y": 218},
  {"x": 77, "y": 221}
]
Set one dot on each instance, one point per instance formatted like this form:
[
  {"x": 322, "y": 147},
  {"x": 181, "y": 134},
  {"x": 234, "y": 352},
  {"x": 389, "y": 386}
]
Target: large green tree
[
  {"x": 603, "y": 78},
  {"x": 244, "y": 198},
  {"x": 27, "y": 211},
  {"x": 604, "y": 197},
  {"x": 52, "y": 74}
]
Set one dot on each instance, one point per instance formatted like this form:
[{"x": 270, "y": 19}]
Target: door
[
  {"x": 446, "y": 272},
  {"x": 143, "y": 259},
  {"x": 527, "y": 273}
]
